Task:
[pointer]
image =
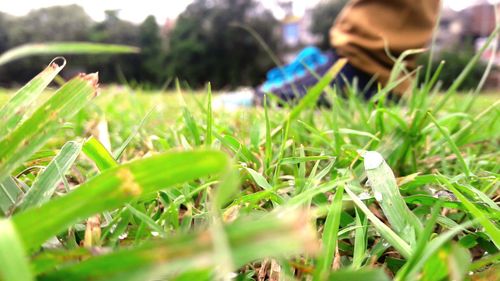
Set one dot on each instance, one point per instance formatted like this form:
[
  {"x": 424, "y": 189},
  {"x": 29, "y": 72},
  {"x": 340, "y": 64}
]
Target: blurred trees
[
  {"x": 202, "y": 46},
  {"x": 205, "y": 45},
  {"x": 152, "y": 56},
  {"x": 113, "y": 68},
  {"x": 59, "y": 23}
]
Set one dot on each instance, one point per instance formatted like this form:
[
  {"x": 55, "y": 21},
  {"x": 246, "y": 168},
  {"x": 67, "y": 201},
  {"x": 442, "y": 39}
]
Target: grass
[{"x": 133, "y": 185}]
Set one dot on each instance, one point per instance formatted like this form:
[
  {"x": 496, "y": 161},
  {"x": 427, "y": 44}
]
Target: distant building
[
  {"x": 470, "y": 25},
  {"x": 295, "y": 30},
  {"x": 470, "y": 28}
]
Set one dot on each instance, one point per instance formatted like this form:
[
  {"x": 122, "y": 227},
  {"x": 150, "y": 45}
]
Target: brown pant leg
[{"x": 364, "y": 27}]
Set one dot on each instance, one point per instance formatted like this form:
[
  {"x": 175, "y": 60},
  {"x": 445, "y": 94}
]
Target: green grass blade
[
  {"x": 210, "y": 117},
  {"x": 360, "y": 240},
  {"x": 386, "y": 192},
  {"x": 118, "y": 153},
  {"x": 303, "y": 159},
  {"x": 96, "y": 151},
  {"x": 9, "y": 194},
  {"x": 191, "y": 126},
  {"x": 115, "y": 187},
  {"x": 268, "y": 139},
  {"x": 359, "y": 275},
  {"x": 330, "y": 235},
  {"x": 62, "y": 48},
  {"x": 421, "y": 244},
  {"x": 433, "y": 246},
  {"x": 396, "y": 241},
  {"x": 346, "y": 131},
  {"x": 481, "y": 217},
  {"x": 15, "y": 264},
  {"x": 227, "y": 188},
  {"x": 310, "y": 99},
  {"x": 147, "y": 220},
  {"x": 258, "y": 179},
  {"x": 453, "y": 146},
  {"x": 45, "y": 184},
  {"x": 35, "y": 131},
  {"x": 250, "y": 238},
  {"x": 14, "y": 110},
  {"x": 237, "y": 147},
  {"x": 308, "y": 194}
]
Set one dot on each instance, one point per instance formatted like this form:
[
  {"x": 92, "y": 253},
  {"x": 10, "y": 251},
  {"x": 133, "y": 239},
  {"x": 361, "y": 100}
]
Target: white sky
[{"x": 137, "y": 11}]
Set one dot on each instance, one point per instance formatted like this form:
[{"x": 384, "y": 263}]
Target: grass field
[{"x": 153, "y": 186}]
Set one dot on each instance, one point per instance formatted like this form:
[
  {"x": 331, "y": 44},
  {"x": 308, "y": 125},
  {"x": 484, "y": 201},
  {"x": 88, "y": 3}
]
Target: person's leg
[{"x": 365, "y": 27}]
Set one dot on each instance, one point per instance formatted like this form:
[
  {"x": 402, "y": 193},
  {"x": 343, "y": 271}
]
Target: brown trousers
[{"x": 365, "y": 27}]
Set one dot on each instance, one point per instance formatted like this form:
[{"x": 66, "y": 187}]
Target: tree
[
  {"x": 152, "y": 56},
  {"x": 206, "y": 46},
  {"x": 58, "y": 23},
  {"x": 116, "y": 31},
  {"x": 324, "y": 15}
]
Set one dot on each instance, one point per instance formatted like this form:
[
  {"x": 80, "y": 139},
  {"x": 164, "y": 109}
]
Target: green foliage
[
  {"x": 45, "y": 184},
  {"x": 455, "y": 61},
  {"x": 194, "y": 192},
  {"x": 152, "y": 57},
  {"x": 13, "y": 256},
  {"x": 196, "y": 49},
  {"x": 205, "y": 45}
]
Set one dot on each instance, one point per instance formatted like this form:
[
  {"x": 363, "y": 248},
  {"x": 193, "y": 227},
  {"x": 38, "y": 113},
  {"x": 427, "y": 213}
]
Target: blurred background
[{"x": 198, "y": 41}]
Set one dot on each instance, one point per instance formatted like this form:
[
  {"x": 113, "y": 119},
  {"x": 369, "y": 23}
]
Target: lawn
[{"x": 147, "y": 185}]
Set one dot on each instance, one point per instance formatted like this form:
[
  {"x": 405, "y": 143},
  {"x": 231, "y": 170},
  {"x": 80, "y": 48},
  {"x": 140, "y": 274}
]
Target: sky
[{"x": 137, "y": 11}]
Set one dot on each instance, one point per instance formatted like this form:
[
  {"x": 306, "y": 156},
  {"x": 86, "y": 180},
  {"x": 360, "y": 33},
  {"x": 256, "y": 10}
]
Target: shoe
[{"x": 291, "y": 82}]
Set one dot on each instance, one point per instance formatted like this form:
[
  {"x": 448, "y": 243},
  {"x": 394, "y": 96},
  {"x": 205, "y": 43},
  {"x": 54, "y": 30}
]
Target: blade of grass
[
  {"x": 210, "y": 117},
  {"x": 359, "y": 275},
  {"x": 115, "y": 187},
  {"x": 61, "y": 48},
  {"x": 259, "y": 179},
  {"x": 313, "y": 94},
  {"x": 386, "y": 192},
  {"x": 237, "y": 147},
  {"x": 452, "y": 145},
  {"x": 250, "y": 238},
  {"x": 433, "y": 246},
  {"x": 147, "y": 220},
  {"x": 15, "y": 263},
  {"x": 46, "y": 183},
  {"x": 14, "y": 110},
  {"x": 9, "y": 194},
  {"x": 96, "y": 151},
  {"x": 360, "y": 240},
  {"x": 268, "y": 140},
  {"x": 490, "y": 228},
  {"x": 330, "y": 235},
  {"x": 35, "y": 131},
  {"x": 396, "y": 241},
  {"x": 310, "y": 99},
  {"x": 421, "y": 244},
  {"x": 118, "y": 153}
]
